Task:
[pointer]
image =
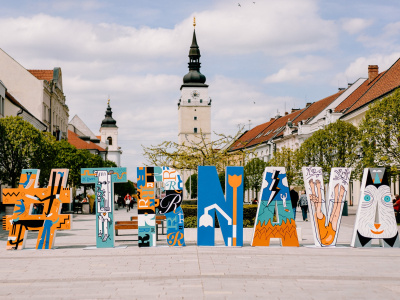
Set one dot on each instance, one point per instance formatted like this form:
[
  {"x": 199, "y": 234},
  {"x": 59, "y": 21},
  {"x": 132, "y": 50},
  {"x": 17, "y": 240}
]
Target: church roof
[
  {"x": 194, "y": 77},
  {"x": 108, "y": 120}
]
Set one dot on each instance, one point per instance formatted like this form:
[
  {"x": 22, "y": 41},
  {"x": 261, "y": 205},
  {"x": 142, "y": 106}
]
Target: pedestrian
[
  {"x": 127, "y": 202},
  {"x": 294, "y": 196},
  {"x": 304, "y": 205}
]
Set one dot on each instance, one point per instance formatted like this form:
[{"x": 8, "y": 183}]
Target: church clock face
[{"x": 195, "y": 94}]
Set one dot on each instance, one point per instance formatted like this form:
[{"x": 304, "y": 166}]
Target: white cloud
[
  {"x": 238, "y": 103},
  {"x": 355, "y": 25},
  {"x": 359, "y": 67},
  {"x": 299, "y": 69},
  {"x": 283, "y": 75}
]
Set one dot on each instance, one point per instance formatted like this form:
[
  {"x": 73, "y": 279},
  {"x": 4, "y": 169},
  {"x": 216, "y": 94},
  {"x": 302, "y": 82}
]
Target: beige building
[
  {"x": 194, "y": 107},
  {"x": 39, "y": 91}
]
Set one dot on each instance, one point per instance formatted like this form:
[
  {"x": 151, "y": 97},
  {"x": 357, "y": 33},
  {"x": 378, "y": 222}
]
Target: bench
[
  {"x": 121, "y": 225},
  {"x": 160, "y": 220},
  {"x": 133, "y": 224}
]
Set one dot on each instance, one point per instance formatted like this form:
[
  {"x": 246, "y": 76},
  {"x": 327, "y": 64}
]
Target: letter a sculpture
[{"x": 275, "y": 201}]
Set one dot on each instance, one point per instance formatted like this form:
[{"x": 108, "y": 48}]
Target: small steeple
[
  {"x": 194, "y": 77},
  {"x": 108, "y": 120}
]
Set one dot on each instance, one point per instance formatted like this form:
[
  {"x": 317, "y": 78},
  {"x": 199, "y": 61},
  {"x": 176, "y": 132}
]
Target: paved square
[{"x": 72, "y": 271}]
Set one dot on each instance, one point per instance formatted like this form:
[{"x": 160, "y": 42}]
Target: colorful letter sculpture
[
  {"x": 375, "y": 215},
  {"x": 104, "y": 179},
  {"x": 326, "y": 217},
  {"x": 275, "y": 197},
  {"x": 28, "y": 195},
  {"x": 169, "y": 205},
  {"x": 229, "y": 210}
]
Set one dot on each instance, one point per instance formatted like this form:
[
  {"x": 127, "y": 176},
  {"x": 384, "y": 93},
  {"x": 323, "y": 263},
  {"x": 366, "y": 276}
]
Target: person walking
[
  {"x": 128, "y": 202},
  {"x": 294, "y": 196},
  {"x": 304, "y": 205}
]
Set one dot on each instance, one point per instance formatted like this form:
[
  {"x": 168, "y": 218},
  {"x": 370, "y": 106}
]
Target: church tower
[
  {"x": 109, "y": 136},
  {"x": 194, "y": 107}
]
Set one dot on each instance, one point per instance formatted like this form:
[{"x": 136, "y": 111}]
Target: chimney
[
  {"x": 308, "y": 104},
  {"x": 295, "y": 109},
  {"x": 286, "y": 113},
  {"x": 373, "y": 72}
]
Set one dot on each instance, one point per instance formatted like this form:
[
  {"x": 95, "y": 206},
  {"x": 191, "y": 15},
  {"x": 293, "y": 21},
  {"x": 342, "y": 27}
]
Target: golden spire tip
[{"x": 194, "y": 22}]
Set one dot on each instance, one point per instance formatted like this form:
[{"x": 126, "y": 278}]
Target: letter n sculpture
[
  {"x": 46, "y": 220},
  {"x": 229, "y": 210},
  {"x": 375, "y": 215},
  {"x": 104, "y": 179},
  {"x": 274, "y": 217}
]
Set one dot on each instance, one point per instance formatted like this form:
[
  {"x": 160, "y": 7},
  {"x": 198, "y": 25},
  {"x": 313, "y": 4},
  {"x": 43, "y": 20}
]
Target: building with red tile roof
[
  {"x": 81, "y": 142},
  {"x": 380, "y": 85},
  {"x": 39, "y": 91}
]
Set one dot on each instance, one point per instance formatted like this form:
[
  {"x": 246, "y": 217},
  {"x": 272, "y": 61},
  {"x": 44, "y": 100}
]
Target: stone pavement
[{"x": 128, "y": 272}]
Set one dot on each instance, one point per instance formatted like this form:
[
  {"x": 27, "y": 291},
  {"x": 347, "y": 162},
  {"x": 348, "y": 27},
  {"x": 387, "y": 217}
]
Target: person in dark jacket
[
  {"x": 304, "y": 205},
  {"x": 294, "y": 196}
]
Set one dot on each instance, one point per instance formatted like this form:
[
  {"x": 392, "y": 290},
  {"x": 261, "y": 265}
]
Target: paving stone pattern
[{"x": 75, "y": 270}]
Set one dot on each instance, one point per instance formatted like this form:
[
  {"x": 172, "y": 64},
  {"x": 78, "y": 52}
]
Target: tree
[
  {"x": 22, "y": 146},
  {"x": 288, "y": 158},
  {"x": 191, "y": 185},
  {"x": 380, "y": 131},
  {"x": 189, "y": 156},
  {"x": 253, "y": 172},
  {"x": 124, "y": 188},
  {"x": 334, "y": 146}
]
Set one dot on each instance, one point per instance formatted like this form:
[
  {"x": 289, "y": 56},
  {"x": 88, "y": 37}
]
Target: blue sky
[{"x": 278, "y": 54}]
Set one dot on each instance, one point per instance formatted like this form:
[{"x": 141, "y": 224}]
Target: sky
[{"x": 260, "y": 57}]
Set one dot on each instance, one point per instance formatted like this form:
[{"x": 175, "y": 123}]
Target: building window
[
  {"x": 109, "y": 140},
  {"x": 188, "y": 100},
  {"x": 2, "y": 106},
  {"x": 195, "y": 130},
  {"x": 201, "y": 100},
  {"x": 195, "y": 118}
]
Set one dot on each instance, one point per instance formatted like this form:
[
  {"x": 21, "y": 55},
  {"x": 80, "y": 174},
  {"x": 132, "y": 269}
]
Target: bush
[
  {"x": 190, "y": 222},
  {"x": 190, "y": 213}
]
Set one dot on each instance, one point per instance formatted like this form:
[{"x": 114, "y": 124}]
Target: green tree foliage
[
  {"x": 334, "y": 146},
  {"x": 124, "y": 188},
  {"x": 190, "y": 155},
  {"x": 22, "y": 146},
  {"x": 191, "y": 185},
  {"x": 288, "y": 158},
  {"x": 380, "y": 131},
  {"x": 253, "y": 172}
]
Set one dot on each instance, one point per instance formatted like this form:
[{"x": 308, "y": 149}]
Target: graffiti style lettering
[
  {"x": 26, "y": 197},
  {"x": 326, "y": 217},
  {"x": 274, "y": 195},
  {"x": 375, "y": 216},
  {"x": 104, "y": 179},
  {"x": 229, "y": 210}
]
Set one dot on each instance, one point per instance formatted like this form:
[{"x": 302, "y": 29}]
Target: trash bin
[{"x": 345, "y": 209}]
